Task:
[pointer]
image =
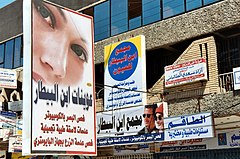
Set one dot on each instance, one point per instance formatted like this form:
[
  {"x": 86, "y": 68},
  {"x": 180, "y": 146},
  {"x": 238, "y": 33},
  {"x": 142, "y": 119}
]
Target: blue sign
[
  {"x": 123, "y": 61},
  {"x": 11, "y": 115},
  {"x": 151, "y": 137}
]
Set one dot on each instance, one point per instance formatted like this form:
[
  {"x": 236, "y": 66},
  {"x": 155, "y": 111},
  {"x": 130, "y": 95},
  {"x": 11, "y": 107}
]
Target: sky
[{"x": 5, "y": 2}]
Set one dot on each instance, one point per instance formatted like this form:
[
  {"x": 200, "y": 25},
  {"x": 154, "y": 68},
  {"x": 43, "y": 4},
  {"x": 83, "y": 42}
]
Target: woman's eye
[
  {"x": 46, "y": 14},
  {"x": 80, "y": 52}
]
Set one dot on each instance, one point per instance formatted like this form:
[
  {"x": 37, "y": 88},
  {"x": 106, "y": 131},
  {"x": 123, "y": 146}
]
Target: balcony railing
[{"x": 226, "y": 82}]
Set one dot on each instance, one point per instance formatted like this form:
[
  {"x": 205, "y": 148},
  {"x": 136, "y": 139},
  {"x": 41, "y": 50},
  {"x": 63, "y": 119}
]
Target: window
[
  {"x": 206, "y": 2},
  {"x": 17, "y": 52},
  {"x": 193, "y": 4},
  {"x": 11, "y": 53},
  {"x": 119, "y": 16},
  {"x": 134, "y": 23},
  {"x": 151, "y": 11},
  {"x": 134, "y": 13},
  {"x": 113, "y": 17},
  {"x": 172, "y": 7},
  {"x": 8, "y": 61},
  {"x": 102, "y": 21},
  {"x": 228, "y": 53},
  {"x": 2, "y": 50}
]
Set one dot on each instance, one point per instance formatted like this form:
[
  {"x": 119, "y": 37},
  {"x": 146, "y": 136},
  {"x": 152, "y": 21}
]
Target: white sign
[
  {"x": 236, "y": 78},
  {"x": 120, "y": 122},
  {"x": 15, "y": 106},
  {"x": 125, "y": 74},
  {"x": 8, "y": 78},
  {"x": 191, "y": 71},
  {"x": 58, "y": 83},
  {"x": 189, "y": 127},
  {"x": 224, "y": 139},
  {"x": 7, "y": 120},
  {"x": 15, "y": 144}
]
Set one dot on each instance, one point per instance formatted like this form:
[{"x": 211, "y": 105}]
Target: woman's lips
[{"x": 37, "y": 77}]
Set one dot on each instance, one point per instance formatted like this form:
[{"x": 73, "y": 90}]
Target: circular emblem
[{"x": 123, "y": 61}]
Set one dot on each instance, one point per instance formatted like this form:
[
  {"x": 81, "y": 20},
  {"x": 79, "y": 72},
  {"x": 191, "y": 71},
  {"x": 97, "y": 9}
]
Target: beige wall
[{"x": 196, "y": 88}]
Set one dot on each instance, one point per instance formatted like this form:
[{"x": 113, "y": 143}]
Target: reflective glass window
[
  {"x": 134, "y": 13},
  {"x": 2, "y": 49},
  {"x": 119, "y": 16},
  {"x": 102, "y": 21},
  {"x": 172, "y": 7},
  {"x": 209, "y": 1},
  {"x": 151, "y": 11},
  {"x": 193, "y": 4},
  {"x": 134, "y": 23},
  {"x": 17, "y": 52},
  {"x": 8, "y": 60}
]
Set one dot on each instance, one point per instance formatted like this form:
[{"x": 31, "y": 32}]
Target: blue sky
[{"x": 5, "y": 2}]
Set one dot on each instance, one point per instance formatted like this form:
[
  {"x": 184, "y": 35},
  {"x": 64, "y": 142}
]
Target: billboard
[
  {"x": 125, "y": 73},
  {"x": 189, "y": 127},
  {"x": 58, "y": 85},
  {"x": 131, "y": 125},
  {"x": 183, "y": 73}
]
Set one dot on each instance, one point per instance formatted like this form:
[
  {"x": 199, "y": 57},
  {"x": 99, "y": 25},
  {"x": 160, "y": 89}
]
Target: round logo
[{"x": 123, "y": 61}]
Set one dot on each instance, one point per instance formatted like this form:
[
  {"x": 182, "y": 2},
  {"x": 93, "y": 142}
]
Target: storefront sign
[
  {"x": 224, "y": 139},
  {"x": 130, "y": 139},
  {"x": 131, "y": 125},
  {"x": 7, "y": 119},
  {"x": 191, "y": 71},
  {"x": 8, "y": 78},
  {"x": 15, "y": 106},
  {"x": 122, "y": 122},
  {"x": 15, "y": 144},
  {"x": 125, "y": 73},
  {"x": 189, "y": 127}
]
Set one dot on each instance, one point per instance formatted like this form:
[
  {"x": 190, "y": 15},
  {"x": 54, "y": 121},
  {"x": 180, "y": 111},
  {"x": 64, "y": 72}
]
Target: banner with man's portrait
[
  {"x": 59, "y": 101},
  {"x": 132, "y": 125}
]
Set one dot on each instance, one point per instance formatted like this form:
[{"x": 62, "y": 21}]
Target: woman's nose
[{"x": 56, "y": 61}]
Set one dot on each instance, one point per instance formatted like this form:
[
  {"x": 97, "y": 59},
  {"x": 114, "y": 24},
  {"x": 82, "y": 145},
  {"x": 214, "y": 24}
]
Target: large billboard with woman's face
[{"x": 59, "y": 107}]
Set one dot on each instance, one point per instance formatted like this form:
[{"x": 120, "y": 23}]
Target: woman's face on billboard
[{"x": 59, "y": 51}]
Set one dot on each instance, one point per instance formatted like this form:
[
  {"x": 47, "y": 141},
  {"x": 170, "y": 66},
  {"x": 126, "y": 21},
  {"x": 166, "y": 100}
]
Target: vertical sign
[
  {"x": 59, "y": 102},
  {"x": 125, "y": 73}
]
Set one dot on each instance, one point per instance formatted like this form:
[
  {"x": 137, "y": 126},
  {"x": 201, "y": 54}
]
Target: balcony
[{"x": 225, "y": 82}]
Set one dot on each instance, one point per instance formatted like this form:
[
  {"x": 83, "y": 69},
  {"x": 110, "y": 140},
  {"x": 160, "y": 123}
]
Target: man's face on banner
[
  {"x": 59, "y": 51},
  {"x": 149, "y": 118}
]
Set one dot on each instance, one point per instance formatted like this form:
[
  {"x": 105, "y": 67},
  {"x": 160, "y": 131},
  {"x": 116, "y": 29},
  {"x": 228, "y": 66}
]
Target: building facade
[{"x": 176, "y": 31}]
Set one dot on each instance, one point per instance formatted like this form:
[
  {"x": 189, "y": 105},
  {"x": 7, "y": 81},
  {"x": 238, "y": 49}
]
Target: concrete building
[{"x": 176, "y": 32}]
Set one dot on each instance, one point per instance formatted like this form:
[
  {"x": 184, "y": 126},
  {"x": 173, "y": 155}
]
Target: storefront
[{"x": 205, "y": 154}]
